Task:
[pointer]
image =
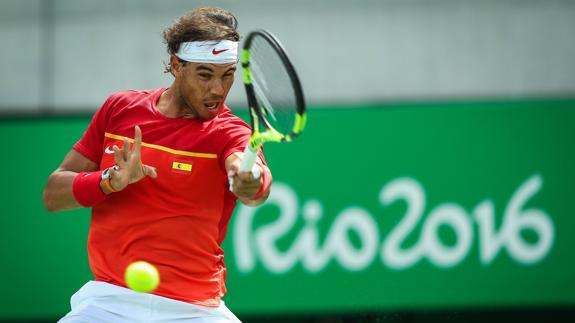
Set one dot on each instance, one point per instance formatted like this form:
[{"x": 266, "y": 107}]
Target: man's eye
[{"x": 205, "y": 75}]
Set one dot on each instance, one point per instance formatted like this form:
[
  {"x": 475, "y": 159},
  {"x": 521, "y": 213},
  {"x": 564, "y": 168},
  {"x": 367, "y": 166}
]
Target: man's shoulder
[
  {"x": 132, "y": 94},
  {"x": 228, "y": 117},
  {"x": 119, "y": 100}
]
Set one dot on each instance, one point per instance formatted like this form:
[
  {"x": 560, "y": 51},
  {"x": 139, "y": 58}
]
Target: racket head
[{"x": 275, "y": 96}]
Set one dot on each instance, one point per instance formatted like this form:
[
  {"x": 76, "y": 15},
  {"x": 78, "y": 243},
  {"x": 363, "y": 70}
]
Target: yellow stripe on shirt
[{"x": 162, "y": 148}]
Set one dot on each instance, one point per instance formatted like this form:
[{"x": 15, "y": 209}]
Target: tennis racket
[{"x": 275, "y": 97}]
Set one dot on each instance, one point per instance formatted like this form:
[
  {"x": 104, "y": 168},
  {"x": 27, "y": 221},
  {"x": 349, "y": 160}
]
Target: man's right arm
[{"x": 58, "y": 194}]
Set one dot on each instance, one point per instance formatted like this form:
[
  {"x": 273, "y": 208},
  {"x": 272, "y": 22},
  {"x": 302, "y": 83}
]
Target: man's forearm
[{"x": 58, "y": 194}]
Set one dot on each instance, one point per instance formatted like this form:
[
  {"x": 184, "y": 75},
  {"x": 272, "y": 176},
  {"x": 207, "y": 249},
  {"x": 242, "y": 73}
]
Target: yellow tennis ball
[{"x": 142, "y": 277}]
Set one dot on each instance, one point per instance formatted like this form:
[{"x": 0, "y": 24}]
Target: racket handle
[
  {"x": 247, "y": 164},
  {"x": 249, "y": 160}
]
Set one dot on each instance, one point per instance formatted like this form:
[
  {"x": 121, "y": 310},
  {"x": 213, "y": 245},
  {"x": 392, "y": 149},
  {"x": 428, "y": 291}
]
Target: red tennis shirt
[{"x": 178, "y": 220}]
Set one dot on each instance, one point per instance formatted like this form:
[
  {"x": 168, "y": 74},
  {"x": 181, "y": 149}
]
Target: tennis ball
[{"x": 142, "y": 277}]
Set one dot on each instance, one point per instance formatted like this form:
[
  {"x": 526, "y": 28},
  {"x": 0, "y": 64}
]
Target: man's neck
[{"x": 171, "y": 105}]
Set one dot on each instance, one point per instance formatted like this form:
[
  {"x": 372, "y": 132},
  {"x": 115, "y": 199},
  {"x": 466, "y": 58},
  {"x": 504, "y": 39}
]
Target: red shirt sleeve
[
  {"x": 235, "y": 136},
  {"x": 90, "y": 145}
]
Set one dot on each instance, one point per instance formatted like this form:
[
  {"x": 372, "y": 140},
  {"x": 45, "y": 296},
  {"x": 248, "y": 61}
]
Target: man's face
[{"x": 204, "y": 87}]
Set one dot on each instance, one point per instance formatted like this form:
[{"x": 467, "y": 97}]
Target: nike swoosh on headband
[{"x": 216, "y": 52}]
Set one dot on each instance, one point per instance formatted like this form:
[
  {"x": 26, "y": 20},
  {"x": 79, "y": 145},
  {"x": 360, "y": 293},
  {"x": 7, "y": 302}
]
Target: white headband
[{"x": 209, "y": 51}]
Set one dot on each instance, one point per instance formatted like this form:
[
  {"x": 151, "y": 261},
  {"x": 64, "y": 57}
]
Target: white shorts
[{"x": 103, "y": 302}]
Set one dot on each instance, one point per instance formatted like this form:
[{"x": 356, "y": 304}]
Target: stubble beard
[{"x": 188, "y": 110}]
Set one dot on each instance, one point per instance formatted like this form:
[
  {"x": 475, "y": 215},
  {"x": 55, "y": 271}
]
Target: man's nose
[{"x": 217, "y": 87}]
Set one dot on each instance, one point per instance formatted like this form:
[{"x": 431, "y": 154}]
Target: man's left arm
[{"x": 250, "y": 191}]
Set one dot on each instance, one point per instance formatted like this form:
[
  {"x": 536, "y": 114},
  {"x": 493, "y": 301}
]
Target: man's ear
[{"x": 175, "y": 65}]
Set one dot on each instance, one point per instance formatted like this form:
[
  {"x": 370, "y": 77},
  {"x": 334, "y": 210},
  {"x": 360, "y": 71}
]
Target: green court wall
[{"x": 380, "y": 207}]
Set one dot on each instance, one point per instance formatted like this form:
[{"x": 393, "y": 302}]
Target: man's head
[{"x": 203, "y": 48}]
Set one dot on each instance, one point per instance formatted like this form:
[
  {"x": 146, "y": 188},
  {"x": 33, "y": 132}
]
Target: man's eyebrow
[
  {"x": 204, "y": 68},
  {"x": 231, "y": 69}
]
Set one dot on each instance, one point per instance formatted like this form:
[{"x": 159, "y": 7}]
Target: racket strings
[{"x": 272, "y": 86}]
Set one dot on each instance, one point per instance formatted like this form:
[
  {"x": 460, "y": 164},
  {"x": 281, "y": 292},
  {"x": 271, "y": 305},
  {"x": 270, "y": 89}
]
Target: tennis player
[{"x": 154, "y": 165}]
